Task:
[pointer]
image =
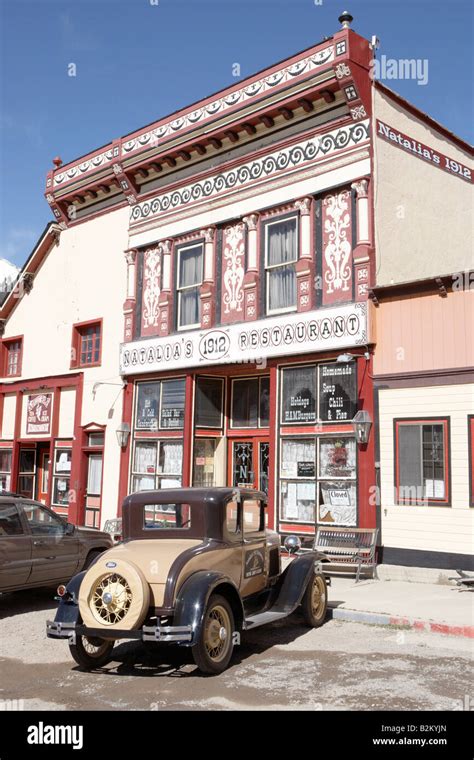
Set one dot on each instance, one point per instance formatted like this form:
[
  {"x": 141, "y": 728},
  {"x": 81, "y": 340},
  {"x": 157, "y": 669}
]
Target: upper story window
[
  {"x": 189, "y": 280},
  {"x": 12, "y": 356},
  {"x": 86, "y": 344},
  {"x": 281, "y": 254}
]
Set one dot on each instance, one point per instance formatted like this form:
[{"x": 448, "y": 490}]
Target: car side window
[
  {"x": 253, "y": 516},
  {"x": 10, "y": 522},
  {"x": 232, "y": 518},
  {"x": 42, "y": 521}
]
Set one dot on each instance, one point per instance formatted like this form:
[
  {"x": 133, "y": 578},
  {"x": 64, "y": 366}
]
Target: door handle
[{"x": 38, "y": 543}]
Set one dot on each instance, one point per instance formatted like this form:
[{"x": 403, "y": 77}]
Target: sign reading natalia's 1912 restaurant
[
  {"x": 38, "y": 414},
  {"x": 334, "y": 328}
]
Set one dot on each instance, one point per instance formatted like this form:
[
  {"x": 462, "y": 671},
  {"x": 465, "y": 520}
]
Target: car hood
[{"x": 92, "y": 533}]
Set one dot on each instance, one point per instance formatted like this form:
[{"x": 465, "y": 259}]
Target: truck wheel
[
  {"x": 113, "y": 594},
  {"x": 91, "y": 653},
  {"x": 213, "y": 649},
  {"x": 315, "y": 601}
]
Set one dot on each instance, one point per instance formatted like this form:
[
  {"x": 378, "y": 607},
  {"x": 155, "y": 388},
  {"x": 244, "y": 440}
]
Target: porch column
[
  {"x": 305, "y": 264},
  {"x": 208, "y": 287},
  {"x": 130, "y": 301},
  {"x": 165, "y": 248},
  {"x": 251, "y": 278},
  {"x": 362, "y": 251}
]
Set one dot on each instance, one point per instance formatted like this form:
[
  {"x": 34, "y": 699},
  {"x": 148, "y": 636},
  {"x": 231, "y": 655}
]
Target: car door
[
  {"x": 55, "y": 555},
  {"x": 254, "y": 571},
  {"x": 15, "y": 548}
]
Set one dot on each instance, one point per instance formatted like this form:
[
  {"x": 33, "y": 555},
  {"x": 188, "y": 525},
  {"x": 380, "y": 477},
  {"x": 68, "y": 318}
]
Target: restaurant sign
[
  {"x": 250, "y": 342},
  {"x": 38, "y": 414}
]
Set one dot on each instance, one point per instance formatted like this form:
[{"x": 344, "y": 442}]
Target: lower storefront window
[
  {"x": 157, "y": 464},
  {"x": 5, "y": 469},
  {"x": 204, "y": 474},
  {"x": 61, "y": 476},
  {"x": 318, "y": 480},
  {"x": 27, "y": 469}
]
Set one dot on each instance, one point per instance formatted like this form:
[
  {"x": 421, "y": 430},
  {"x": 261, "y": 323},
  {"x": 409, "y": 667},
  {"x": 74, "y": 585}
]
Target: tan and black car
[
  {"x": 39, "y": 548},
  {"x": 196, "y": 567}
]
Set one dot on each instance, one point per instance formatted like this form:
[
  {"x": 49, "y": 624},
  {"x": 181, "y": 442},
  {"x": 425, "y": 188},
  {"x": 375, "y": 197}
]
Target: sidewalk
[{"x": 422, "y": 606}]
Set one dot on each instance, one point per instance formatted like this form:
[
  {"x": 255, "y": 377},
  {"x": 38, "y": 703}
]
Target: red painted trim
[
  {"x": 16, "y": 438},
  {"x": 2, "y": 404},
  {"x": 188, "y": 431},
  {"x": 272, "y": 456},
  {"x": 54, "y": 434},
  {"x": 365, "y": 474},
  {"x": 470, "y": 435},
  {"x": 76, "y": 493},
  {"x": 41, "y": 383},
  {"x": 127, "y": 414}
]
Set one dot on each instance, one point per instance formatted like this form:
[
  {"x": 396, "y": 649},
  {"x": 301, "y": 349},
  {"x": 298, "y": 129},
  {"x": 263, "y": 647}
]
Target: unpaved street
[{"x": 342, "y": 666}]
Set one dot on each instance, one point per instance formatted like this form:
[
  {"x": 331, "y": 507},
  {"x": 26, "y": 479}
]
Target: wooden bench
[{"x": 348, "y": 549}]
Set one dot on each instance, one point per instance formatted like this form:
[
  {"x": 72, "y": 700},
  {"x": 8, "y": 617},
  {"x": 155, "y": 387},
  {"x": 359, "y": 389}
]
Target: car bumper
[{"x": 177, "y": 634}]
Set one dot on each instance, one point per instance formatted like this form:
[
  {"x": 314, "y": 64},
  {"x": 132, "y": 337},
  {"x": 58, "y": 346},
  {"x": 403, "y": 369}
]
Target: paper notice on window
[
  {"x": 64, "y": 463},
  {"x": 291, "y": 504},
  {"x": 289, "y": 469},
  {"x": 434, "y": 489}
]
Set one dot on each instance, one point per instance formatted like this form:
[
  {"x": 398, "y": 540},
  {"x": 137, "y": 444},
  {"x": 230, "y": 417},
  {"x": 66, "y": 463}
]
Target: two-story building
[{"x": 199, "y": 311}]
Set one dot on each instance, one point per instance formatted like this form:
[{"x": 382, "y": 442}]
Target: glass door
[{"x": 248, "y": 463}]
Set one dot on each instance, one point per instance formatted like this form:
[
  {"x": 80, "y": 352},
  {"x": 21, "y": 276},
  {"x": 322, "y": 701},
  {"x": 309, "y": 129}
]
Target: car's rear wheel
[
  {"x": 315, "y": 601},
  {"x": 213, "y": 649},
  {"x": 90, "y": 652}
]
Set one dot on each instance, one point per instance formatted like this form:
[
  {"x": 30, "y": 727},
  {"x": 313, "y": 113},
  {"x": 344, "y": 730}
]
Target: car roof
[{"x": 195, "y": 496}]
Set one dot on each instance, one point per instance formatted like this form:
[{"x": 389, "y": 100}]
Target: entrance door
[
  {"x": 42, "y": 474},
  {"x": 248, "y": 463},
  {"x": 94, "y": 490}
]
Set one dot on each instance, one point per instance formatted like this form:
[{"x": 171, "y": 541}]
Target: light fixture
[
  {"x": 362, "y": 423},
  {"x": 123, "y": 431},
  {"x": 345, "y": 358}
]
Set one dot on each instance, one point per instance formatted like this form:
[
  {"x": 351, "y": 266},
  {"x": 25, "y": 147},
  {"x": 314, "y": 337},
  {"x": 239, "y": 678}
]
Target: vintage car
[
  {"x": 196, "y": 567},
  {"x": 40, "y": 548}
]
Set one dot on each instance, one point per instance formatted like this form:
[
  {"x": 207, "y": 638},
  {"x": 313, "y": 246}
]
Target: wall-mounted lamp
[
  {"x": 123, "y": 432},
  {"x": 345, "y": 358},
  {"x": 362, "y": 423}
]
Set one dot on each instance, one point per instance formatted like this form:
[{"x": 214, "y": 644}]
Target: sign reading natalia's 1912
[
  {"x": 333, "y": 328},
  {"x": 38, "y": 414},
  {"x": 419, "y": 150}
]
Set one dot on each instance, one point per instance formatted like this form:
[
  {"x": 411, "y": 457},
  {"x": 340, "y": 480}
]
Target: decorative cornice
[
  {"x": 190, "y": 119},
  {"x": 267, "y": 166},
  {"x": 27, "y": 281},
  {"x": 165, "y": 246}
]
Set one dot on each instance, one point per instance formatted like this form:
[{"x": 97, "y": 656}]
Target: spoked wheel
[
  {"x": 90, "y": 652},
  {"x": 213, "y": 650},
  {"x": 315, "y": 601}
]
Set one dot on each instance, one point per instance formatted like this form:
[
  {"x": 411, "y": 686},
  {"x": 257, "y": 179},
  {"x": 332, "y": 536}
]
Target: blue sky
[{"x": 137, "y": 61}]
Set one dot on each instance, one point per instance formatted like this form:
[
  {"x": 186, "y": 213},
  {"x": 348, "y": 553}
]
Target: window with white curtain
[
  {"x": 190, "y": 274},
  {"x": 157, "y": 464},
  {"x": 94, "y": 479},
  {"x": 281, "y": 254}
]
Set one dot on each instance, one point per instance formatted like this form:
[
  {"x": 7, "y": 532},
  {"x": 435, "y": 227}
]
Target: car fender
[
  {"x": 193, "y": 596},
  {"x": 294, "y": 580},
  {"x": 68, "y": 608}
]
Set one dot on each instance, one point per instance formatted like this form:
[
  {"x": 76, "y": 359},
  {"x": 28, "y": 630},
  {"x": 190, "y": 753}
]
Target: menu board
[{"x": 337, "y": 391}]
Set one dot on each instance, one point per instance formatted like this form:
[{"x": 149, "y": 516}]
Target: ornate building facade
[{"x": 228, "y": 333}]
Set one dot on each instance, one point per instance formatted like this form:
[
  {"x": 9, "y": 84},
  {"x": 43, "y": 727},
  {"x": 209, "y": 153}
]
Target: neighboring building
[
  {"x": 424, "y": 362},
  {"x": 252, "y": 236}
]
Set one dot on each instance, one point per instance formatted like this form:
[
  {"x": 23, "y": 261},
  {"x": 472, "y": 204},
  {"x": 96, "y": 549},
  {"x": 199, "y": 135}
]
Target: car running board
[{"x": 262, "y": 618}]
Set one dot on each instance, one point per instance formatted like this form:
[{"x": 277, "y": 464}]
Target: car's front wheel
[
  {"x": 213, "y": 649},
  {"x": 315, "y": 601},
  {"x": 90, "y": 652}
]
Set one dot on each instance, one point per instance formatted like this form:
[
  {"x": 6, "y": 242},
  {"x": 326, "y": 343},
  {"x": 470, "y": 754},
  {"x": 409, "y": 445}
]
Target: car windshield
[{"x": 166, "y": 516}]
